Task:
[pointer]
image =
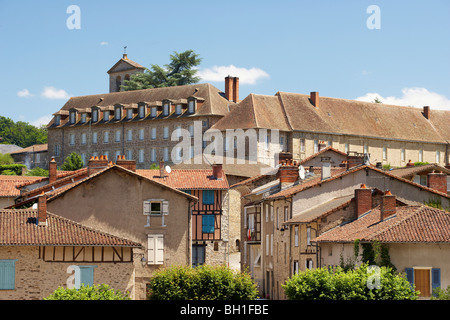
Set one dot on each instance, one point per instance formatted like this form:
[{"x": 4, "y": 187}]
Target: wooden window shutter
[
  {"x": 435, "y": 278},
  {"x": 146, "y": 207},
  {"x": 7, "y": 274},
  {"x": 410, "y": 276},
  {"x": 165, "y": 207},
  {"x": 155, "y": 249}
]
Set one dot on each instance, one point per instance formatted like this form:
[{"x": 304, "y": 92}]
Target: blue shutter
[
  {"x": 208, "y": 223},
  {"x": 435, "y": 279},
  {"x": 410, "y": 276},
  {"x": 87, "y": 275},
  {"x": 7, "y": 274},
  {"x": 208, "y": 196}
]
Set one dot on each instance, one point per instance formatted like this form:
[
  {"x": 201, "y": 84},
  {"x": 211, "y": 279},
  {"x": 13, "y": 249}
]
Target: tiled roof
[
  {"x": 33, "y": 148},
  {"x": 187, "y": 179},
  {"x": 293, "y": 111},
  {"x": 317, "y": 154},
  {"x": 18, "y": 227},
  {"x": 408, "y": 171},
  {"x": 214, "y": 103},
  {"x": 410, "y": 224},
  {"x": 9, "y": 184},
  {"x": 128, "y": 61},
  {"x": 246, "y": 169},
  {"x": 321, "y": 210},
  {"x": 60, "y": 191},
  {"x": 255, "y": 111},
  {"x": 318, "y": 181}
]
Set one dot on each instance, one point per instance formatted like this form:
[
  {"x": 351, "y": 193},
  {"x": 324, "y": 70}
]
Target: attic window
[
  {"x": 153, "y": 114},
  {"x": 166, "y": 109},
  {"x": 94, "y": 115},
  {"x": 191, "y": 106},
  {"x": 72, "y": 117},
  {"x": 57, "y": 120},
  {"x": 129, "y": 113},
  {"x": 178, "y": 109},
  {"x": 117, "y": 114},
  {"x": 106, "y": 115},
  {"x": 141, "y": 111},
  {"x": 83, "y": 118}
]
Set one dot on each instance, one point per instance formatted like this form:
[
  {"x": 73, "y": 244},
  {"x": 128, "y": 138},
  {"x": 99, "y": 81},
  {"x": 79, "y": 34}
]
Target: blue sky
[{"x": 292, "y": 46}]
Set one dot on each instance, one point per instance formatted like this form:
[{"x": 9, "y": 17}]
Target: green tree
[
  {"x": 72, "y": 162},
  {"x": 201, "y": 283},
  {"x": 96, "y": 292},
  {"x": 353, "y": 284},
  {"x": 37, "y": 172},
  {"x": 180, "y": 71},
  {"x": 21, "y": 133},
  {"x": 6, "y": 159}
]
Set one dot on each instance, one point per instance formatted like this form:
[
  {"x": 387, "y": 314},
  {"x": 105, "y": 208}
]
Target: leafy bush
[
  {"x": 37, "y": 172},
  {"x": 201, "y": 283},
  {"x": 72, "y": 162},
  {"x": 325, "y": 284},
  {"x": 441, "y": 294},
  {"x": 96, "y": 292},
  {"x": 6, "y": 158},
  {"x": 12, "y": 168}
]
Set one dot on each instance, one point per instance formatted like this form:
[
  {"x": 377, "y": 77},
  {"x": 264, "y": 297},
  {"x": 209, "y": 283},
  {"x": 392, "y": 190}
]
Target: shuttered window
[
  {"x": 7, "y": 274},
  {"x": 208, "y": 223},
  {"x": 435, "y": 279},
  {"x": 208, "y": 196},
  {"x": 155, "y": 249}
]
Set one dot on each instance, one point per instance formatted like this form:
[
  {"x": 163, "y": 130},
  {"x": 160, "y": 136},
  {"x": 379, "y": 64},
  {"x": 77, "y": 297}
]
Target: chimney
[
  {"x": 322, "y": 145},
  {"x": 217, "y": 171},
  {"x": 284, "y": 156},
  {"x": 42, "y": 209},
  {"x": 236, "y": 89},
  {"x": 127, "y": 164},
  {"x": 232, "y": 88},
  {"x": 354, "y": 159},
  {"x": 387, "y": 205},
  {"x": 314, "y": 97},
  {"x": 326, "y": 167},
  {"x": 437, "y": 181},
  {"x": 52, "y": 171},
  {"x": 363, "y": 200},
  {"x": 162, "y": 173},
  {"x": 288, "y": 172},
  {"x": 426, "y": 112},
  {"x": 410, "y": 164},
  {"x": 96, "y": 164}
]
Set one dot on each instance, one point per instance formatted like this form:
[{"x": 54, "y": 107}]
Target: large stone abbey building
[{"x": 139, "y": 124}]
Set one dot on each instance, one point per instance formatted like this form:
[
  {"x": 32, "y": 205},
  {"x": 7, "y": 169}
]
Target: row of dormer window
[{"x": 117, "y": 112}]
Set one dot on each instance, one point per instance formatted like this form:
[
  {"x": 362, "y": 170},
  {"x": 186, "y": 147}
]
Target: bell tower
[{"x": 121, "y": 71}]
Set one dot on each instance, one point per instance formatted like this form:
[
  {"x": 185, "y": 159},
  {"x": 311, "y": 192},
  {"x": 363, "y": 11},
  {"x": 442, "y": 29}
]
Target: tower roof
[{"x": 125, "y": 64}]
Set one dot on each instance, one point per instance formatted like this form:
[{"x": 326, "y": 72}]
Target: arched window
[{"x": 118, "y": 83}]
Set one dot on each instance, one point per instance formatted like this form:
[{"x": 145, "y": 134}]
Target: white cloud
[
  {"x": 25, "y": 93},
  {"x": 44, "y": 120},
  {"x": 53, "y": 93},
  {"x": 246, "y": 76},
  {"x": 414, "y": 97},
  {"x": 104, "y": 43}
]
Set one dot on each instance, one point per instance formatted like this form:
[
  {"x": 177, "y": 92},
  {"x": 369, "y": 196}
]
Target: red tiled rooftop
[
  {"x": 410, "y": 224},
  {"x": 18, "y": 227}
]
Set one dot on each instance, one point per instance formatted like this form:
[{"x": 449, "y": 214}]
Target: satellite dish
[
  {"x": 301, "y": 172},
  {"x": 168, "y": 169}
]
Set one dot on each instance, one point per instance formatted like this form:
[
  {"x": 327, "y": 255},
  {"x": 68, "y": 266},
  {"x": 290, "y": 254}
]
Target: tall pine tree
[{"x": 180, "y": 71}]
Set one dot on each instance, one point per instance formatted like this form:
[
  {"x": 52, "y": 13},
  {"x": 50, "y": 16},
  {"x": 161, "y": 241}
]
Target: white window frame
[
  {"x": 166, "y": 133},
  {"x": 130, "y": 135},
  {"x": 153, "y": 155},
  {"x": 166, "y": 153},
  {"x": 83, "y": 138},
  {"x": 178, "y": 109},
  {"x": 72, "y": 139},
  {"x": 153, "y": 111},
  {"x": 94, "y": 138},
  {"x": 166, "y": 108},
  {"x": 296, "y": 236},
  {"x": 83, "y": 117},
  {"x": 141, "y": 112},
  {"x": 141, "y": 155},
  {"x": 402, "y": 154},
  {"x": 118, "y": 113},
  {"x": 191, "y": 106},
  {"x": 117, "y": 136},
  {"x": 106, "y": 115},
  {"x": 94, "y": 115},
  {"x": 308, "y": 236},
  {"x": 420, "y": 155},
  {"x": 153, "y": 135},
  {"x": 129, "y": 113},
  {"x": 141, "y": 134},
  {"x": 72, "y": 117}
]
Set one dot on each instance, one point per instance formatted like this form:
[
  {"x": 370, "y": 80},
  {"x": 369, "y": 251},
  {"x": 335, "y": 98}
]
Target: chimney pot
[
  {"x": 314, "y": 97},
  {"x": 52, "y": 171},
  {"x": 363, "y": 200},
  {"x": 232, "y": 88},
  {"x": 426, "y": 112},
  {"x": 217, "y": 171},
  {"x": 42, "y": 209},
  {"x": 387, "y": 207}
]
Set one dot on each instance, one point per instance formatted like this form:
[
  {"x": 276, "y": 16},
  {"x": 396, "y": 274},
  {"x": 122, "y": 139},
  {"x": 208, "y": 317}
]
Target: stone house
[
  {"x": 293, "y": 211},
  {"x": 41, "y": 251},
  {"x": 417, "y": 238},
  {"x": 392, "y": 135},
  {"x": 35, "y": 156}
]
